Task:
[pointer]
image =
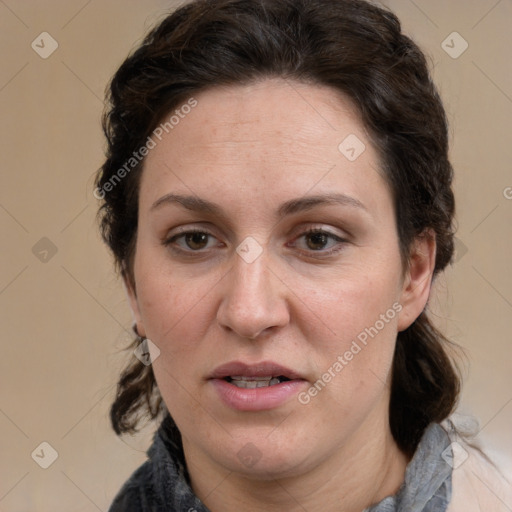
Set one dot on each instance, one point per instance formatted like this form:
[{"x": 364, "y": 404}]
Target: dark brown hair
[{"x": 351, "y": 45}]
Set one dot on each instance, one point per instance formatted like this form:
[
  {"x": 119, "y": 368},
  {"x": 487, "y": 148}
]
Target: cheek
[
  {"x": 348, "y": 305},
  {"x": 169, "y": 309},
  {"x": 354, "y": 370},
  {"x": 169, "y": 300},
  {"x": 355, "y": 358},
  {"x": 175, "y": 315}
]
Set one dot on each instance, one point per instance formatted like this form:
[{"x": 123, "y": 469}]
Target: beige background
[{"x": 65, "y": 320}]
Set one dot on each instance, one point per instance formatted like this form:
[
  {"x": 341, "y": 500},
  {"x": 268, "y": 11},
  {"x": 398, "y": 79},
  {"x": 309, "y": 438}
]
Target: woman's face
[{"x": 252, "y": 294}]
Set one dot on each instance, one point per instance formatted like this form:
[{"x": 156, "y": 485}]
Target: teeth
[
  {"x": 250, "y": 378},
  {"x": 254, "y": 382}
]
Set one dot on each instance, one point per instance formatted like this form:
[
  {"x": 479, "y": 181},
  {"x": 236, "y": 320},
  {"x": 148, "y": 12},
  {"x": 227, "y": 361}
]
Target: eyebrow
[{"x": 290, "y": 207}]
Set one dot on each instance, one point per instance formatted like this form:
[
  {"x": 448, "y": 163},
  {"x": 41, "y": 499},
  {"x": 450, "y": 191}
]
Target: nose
[{"x": 253, "y": 299}]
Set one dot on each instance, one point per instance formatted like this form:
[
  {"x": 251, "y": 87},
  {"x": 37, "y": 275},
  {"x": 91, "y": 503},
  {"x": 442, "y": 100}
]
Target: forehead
[
  {"x": 270, "y": 138},
  {"x": 256, "y": 113}
]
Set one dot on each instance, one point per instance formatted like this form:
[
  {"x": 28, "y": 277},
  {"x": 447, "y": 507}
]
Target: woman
[{"x": 277, "y": 197}]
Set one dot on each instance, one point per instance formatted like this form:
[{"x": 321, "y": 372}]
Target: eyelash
[{"x": 312, "y": 231}]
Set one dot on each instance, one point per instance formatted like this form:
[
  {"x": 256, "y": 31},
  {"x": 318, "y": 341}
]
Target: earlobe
[
  {"x": 131, "y": 295},
  {"x": 418, "y": 279}
]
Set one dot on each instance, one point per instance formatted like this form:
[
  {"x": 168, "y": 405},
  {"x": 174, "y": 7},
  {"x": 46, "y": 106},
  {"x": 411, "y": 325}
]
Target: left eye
[{"x": 317, "y": 239}]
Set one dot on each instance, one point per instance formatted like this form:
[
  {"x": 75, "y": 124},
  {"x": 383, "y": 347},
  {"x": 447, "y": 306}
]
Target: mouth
[
  {"x": 255, "y": 387},
  {"x": 255, "y": 382},
  {"x": 256, "y": 375}
]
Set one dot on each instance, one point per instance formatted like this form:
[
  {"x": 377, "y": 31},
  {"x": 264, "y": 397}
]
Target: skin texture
[{"x": 249, "y": 149}]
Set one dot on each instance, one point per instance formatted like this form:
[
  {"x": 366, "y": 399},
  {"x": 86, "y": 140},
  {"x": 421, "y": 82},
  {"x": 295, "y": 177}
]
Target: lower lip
[{"x": 256, "y": 399}]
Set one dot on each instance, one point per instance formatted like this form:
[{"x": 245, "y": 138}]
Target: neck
[{"x": 362, "y": 472}]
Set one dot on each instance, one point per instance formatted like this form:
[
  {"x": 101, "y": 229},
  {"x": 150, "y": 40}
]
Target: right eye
[{"x": 191, "y": 241}]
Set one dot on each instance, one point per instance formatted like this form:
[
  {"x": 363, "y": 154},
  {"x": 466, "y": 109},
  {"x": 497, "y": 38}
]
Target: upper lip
[{"x": 261, "y": 369}]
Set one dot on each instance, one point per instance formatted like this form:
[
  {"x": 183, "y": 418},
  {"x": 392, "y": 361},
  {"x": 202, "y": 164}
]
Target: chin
[{"x": 259, "y": 459}]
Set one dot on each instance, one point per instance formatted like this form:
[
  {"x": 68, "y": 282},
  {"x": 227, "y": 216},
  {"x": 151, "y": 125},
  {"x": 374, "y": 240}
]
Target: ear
[
  {"x": 131, "y": 294},
  {"x": 418, "y": 279}
]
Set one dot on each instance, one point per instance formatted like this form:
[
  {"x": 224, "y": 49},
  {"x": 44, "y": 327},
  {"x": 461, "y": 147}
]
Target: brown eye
[
  {"x": 196, "y": 241},
  {"x": 318, "y": 240},
  {"x": 189, "y": 241}
]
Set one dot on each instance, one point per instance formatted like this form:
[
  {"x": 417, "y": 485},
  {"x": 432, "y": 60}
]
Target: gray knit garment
[
  {"x": 427, "y": 484},
  {"x": 162, "y": 483}
]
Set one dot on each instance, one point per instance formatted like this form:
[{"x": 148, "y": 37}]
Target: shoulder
[
  {"x": 159, "y": 484},
  {"x": 478, "y": 482},
  {"x": 137, "y": 494}
]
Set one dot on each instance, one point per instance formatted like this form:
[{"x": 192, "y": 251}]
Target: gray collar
[{"x": 427, "y": 485}]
